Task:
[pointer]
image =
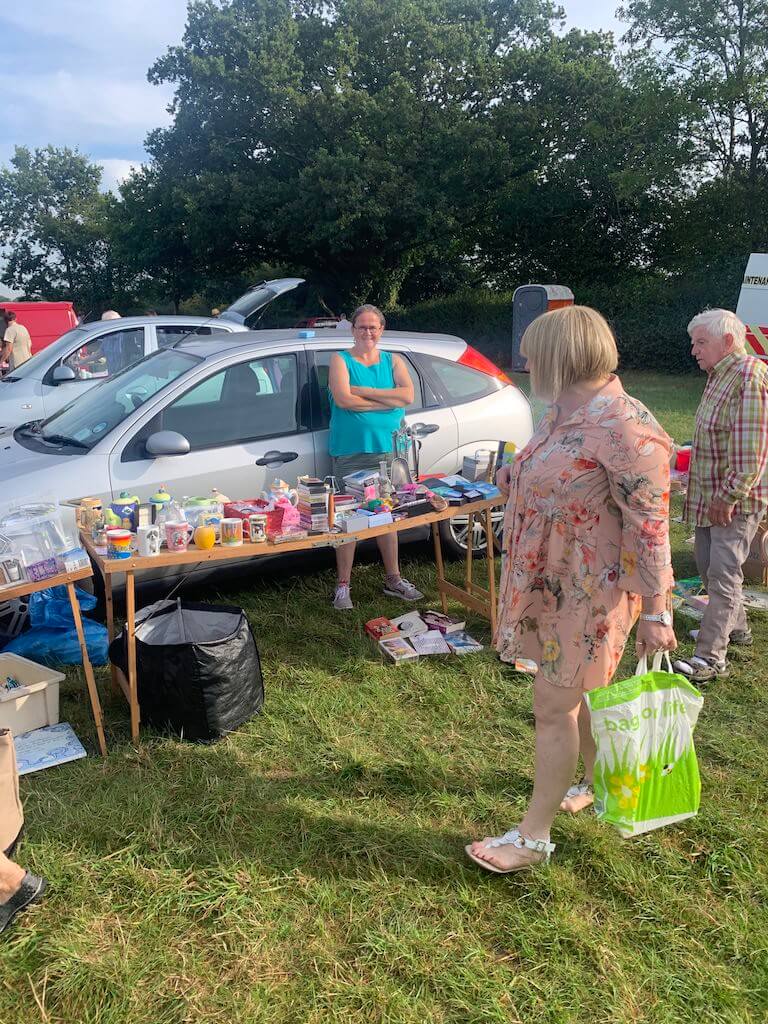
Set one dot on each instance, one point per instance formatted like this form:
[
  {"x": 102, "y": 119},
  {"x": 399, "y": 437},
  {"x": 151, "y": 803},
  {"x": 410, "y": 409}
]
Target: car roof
[
  {"x": 445, "y": 345},
  {"x": 162, "y": 320}
]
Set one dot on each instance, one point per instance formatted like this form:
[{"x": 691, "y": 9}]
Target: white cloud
[
  {"x": 115, "y": 171},
  {"x": 62, "y": 98},
  {"x": 141, "y": 29}
]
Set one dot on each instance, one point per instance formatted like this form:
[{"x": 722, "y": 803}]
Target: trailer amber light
[{"x": 477, "y": 361}]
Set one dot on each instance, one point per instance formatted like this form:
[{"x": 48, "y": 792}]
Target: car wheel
[{"x": 453, "y": 534}]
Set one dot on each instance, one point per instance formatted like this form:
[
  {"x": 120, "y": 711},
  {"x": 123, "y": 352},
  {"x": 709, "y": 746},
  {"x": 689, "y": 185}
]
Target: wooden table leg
[
  {"x": 130, "y": 627},
  {"x": 470, "y": 553},
  {"x": 439, "y": 566},
  {"x": 489, "y": 538},
  {"x": 110, "y": 611},
  {"x": 93, "y": 693}
]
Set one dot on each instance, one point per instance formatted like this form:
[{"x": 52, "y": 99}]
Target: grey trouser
[{"x": 720, "y": 554}]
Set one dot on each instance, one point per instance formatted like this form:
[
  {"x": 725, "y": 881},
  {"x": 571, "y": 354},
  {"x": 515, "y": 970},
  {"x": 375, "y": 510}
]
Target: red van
[{"x": 45, "y": 321}]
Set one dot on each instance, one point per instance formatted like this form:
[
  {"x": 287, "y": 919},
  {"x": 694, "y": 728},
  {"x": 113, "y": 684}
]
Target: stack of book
[
  {"x": 418, "y": 634},
  {"x": 363, "y": 485},
  {"x": 313, "y": 504}
]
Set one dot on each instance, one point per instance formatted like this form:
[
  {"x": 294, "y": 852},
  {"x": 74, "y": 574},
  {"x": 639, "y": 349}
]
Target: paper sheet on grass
[{"x": 45, "y": 748}]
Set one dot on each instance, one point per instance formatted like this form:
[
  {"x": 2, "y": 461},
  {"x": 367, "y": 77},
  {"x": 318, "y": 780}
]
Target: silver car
[
  {"x": 235, "y": 411},
  {"x": 92, "y": 353}
]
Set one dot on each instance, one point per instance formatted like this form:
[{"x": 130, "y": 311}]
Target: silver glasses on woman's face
[{"x": 361, "y": 327}]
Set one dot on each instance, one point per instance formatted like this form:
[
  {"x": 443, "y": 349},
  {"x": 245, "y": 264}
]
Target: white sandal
[
  {"x": 512, "y": 838},
  {"x": 582, "y": 788}
]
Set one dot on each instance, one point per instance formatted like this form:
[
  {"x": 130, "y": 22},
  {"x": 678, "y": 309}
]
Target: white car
[
  {"x": 235, "y": 411},
  {"x": 91, "y": 353}
]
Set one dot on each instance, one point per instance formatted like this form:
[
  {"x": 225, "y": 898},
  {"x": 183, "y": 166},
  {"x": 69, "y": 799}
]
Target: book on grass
[
  {"x": 47, "y": 747},
  {"x": 463, "y": 643},
  {"x": 431, "y": 642},
  {"x": 445, "y": 623},
  {"x": 397, "y": 649},
  {"x": 410, "y": 624},
  {"x": 380, "y": 628}
]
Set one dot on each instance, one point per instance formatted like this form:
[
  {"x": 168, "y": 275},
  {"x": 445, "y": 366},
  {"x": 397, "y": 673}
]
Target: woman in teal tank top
[{"x": 368, "y": 390}]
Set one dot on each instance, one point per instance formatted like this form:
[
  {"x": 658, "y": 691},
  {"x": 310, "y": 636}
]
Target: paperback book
[
  {"x": 445, "y": 623},
  {"x": 380, "y": 628},
  {"x": 463, "y": 643},
  {"x": 397, "y": 649},
  {"x": 431, "y": 642},
  {"x": 410, "y": 624}
]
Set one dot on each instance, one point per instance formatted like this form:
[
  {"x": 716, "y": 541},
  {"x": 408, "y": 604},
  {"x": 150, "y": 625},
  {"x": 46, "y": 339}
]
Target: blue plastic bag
[{"x": 52, "y": 639}]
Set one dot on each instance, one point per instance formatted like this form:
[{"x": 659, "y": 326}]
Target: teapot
[{"x": 280, "y": 492}]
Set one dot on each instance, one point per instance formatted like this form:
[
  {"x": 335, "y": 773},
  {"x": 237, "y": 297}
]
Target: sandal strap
[
  {"x": 513, "y": 838},
  {"x": 582, "y": 788}
]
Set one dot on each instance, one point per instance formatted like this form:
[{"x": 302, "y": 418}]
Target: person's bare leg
[
  {"x": 556, "y": 710},
  {"x": 11, "y": 877},
  {"x": 588, "y": 751},
  {"x": 345, "y": 557},
  {"x": 388, "y": 547}
]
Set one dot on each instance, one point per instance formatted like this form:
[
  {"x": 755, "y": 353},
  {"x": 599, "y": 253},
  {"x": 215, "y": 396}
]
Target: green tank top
[{"x": 352, "y": 433}]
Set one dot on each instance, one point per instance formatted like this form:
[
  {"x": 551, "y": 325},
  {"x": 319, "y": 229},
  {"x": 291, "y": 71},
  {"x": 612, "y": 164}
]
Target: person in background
[
  {"x": 18, "y": 888},
  {"x": 343, "y": 324},
  {"x": 727, "y": 489},
  {"x": 215, "y": 311},
  {"x": 586, "y": 552},
  {"x": 369, "y": 389},
  {"x": 151, "y": 312},
  {"x": 110, "y": 314},
  {"x": 16, "y": 346}
]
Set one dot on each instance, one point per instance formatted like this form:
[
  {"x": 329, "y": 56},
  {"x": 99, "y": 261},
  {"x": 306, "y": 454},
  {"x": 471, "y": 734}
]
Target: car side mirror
[
  {"x": 166, "y": 442},
  {"x": 63, "y": 373}
]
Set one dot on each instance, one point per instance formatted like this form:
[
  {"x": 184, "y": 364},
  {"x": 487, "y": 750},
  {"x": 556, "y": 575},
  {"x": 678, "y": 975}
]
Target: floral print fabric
[{"x": 586, "y": 536}]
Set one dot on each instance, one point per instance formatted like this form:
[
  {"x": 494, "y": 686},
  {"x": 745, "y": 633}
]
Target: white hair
[
  {"x": 719, "y": 322},
  {"x": 110, "y": 314}
]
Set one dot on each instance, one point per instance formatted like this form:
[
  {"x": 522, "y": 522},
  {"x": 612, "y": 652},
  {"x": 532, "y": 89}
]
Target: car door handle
[{"x": 276, "y": 458}]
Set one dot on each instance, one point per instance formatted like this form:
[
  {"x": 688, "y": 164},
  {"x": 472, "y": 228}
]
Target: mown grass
[{"x": 310, "y": 867}]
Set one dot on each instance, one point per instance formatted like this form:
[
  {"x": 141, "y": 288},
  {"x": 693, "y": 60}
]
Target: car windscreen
[
  {"x": 88, "y": 418},
  {"x": 39, "y": 363}
]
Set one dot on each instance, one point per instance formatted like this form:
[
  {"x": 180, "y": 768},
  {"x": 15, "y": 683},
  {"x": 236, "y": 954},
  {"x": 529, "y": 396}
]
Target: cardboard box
[{"x": 36, "y": 708}]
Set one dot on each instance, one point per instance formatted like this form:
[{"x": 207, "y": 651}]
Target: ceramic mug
[
  {"x": 119, "y": 543},
  {"x": 148, "y": 541},
  {"x": 257, "y": 528},
  {"x": 231, "y": 532},
  {"x": 176, "y": 536}
]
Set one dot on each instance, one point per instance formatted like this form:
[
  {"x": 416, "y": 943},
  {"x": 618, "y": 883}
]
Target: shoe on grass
[
  {"x": 701, "y": 670},
  {"x": 403, "y": 590},
  {"x": 30, "y": 891},
  {"x": 342, "y": 601},
  {"x": 739, "y": 637}
]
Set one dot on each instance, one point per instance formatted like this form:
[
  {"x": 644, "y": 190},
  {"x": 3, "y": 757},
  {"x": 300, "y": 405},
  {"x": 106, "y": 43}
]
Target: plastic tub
[{"x": 33, "y": 710}]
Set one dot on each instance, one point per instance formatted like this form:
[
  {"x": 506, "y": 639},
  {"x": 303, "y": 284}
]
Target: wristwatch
[{"x": 665, "y": 618}]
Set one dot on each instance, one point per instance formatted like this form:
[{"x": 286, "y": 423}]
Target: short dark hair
[{"x": 9, "y": 314}]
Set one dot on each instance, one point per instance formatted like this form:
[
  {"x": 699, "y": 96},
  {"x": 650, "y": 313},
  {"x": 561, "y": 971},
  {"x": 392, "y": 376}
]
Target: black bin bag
[{"x": 197, "y": 666}]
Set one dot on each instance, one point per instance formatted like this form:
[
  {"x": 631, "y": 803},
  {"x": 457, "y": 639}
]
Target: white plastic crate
[{"x": 33, "y": 710}]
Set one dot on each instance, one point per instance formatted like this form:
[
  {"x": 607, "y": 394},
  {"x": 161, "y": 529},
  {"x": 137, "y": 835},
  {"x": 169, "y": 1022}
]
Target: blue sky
[{"x": 75, "y": 73}]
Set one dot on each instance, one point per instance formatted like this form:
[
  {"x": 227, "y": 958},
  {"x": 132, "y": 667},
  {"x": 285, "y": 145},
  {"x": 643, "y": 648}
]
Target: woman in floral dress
[{"x": 586, "y": 551}]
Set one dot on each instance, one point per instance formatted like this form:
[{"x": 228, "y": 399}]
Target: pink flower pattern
[{"x": 586, "y": 536}]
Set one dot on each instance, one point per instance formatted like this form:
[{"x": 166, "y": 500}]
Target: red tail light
[{"x": 477, "y": 361}]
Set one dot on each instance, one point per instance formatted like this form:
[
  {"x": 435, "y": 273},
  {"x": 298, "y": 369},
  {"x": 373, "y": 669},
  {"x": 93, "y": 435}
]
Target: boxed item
[{"x": 38, "y": 705}]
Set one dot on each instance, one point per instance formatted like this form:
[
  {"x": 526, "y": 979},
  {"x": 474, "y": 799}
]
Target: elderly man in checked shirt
[{"x": 727, "y": 489}]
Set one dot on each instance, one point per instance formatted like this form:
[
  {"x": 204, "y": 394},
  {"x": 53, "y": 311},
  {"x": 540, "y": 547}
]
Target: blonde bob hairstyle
[{"x": 567, "y": 346}]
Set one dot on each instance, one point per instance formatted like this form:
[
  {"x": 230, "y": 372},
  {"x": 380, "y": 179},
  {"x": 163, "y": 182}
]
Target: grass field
[{"x": 310, "y": 868}]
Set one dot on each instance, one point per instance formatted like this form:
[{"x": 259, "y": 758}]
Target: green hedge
[{"x": 648, "y": 314}]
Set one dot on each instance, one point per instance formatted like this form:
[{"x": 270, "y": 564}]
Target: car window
[
  {"x": 251, "y": 400},
  {"x": 170, "y": 334},
  {"x": 459, "y": 383},
  {"x": 95, "y": 413},
  {"x": 107, "y": 354},
  {"x": 322, "y": 366},
  {"x": 35, "y": 367}
]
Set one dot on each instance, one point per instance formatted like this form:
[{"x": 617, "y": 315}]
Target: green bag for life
[{"x": 646, "y": 772}]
